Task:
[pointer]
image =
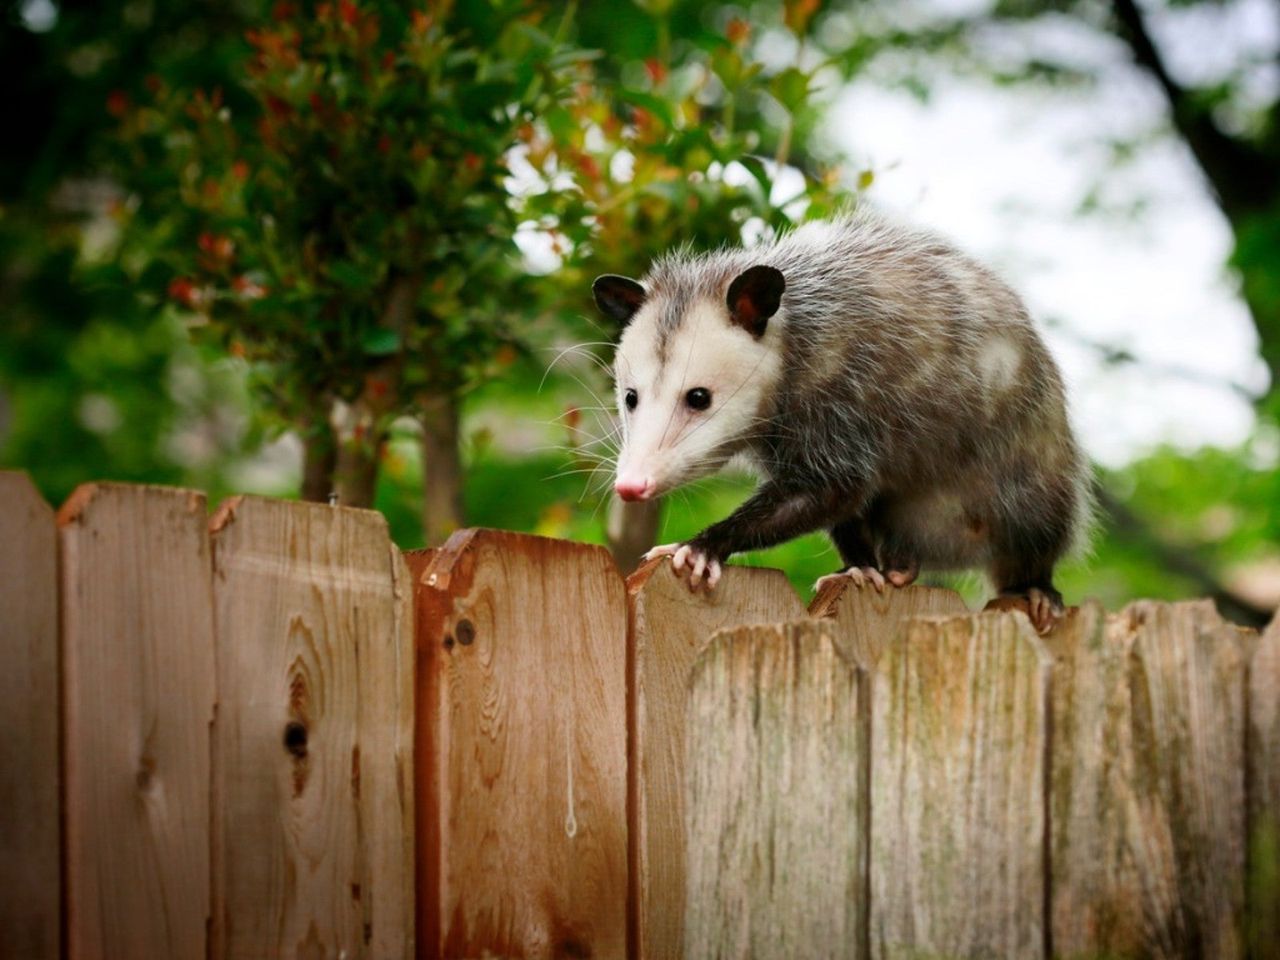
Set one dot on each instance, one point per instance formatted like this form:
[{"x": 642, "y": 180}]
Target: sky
[{"x": 1003, "y": 171}]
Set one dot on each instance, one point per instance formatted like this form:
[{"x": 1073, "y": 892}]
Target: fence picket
[
  {"x": 1263, "y": 790},
  {"x": 776, "y": 797},
  {"x": 313, "y": 811},
  {"x": 138, "y": 696},
  {"x": 959, "y": 744},
  {"x": 865, "y": 619},
  {"x": 1096, "y": 884},
  {"x": 30, "y": 925},
  {"x": 1185, "y": 790},
  {"x": 522, "y": 779},
  {"x": 669, "y": 626}
]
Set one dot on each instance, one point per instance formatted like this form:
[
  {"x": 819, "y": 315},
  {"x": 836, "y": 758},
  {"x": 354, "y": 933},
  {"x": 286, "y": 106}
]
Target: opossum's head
[{"x": 693, "y": 373}]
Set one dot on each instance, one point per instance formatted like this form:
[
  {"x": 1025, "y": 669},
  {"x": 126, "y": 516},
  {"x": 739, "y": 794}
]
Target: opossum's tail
[{"x": 1084, "y": 527}]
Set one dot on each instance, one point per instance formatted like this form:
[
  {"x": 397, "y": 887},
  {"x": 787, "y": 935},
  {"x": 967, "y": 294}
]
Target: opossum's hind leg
[
  {"x": 1027, "y": 542},
  {"x": 856, "y": 543},
  {"x": 899, "y": 558}
]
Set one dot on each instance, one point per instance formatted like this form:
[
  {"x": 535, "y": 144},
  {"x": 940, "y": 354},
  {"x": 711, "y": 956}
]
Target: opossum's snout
[{"x": 632, "y": 488}]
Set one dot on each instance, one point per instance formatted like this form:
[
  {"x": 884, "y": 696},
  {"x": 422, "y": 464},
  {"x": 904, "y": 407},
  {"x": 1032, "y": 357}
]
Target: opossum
[{"x": 882, "y": 384}]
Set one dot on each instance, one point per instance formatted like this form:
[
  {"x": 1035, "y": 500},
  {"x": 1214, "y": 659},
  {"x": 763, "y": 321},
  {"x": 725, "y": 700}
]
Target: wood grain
[
  {"x": 1263, "y": 790},
  {"x": 669, "y": 626},
  {"x": 775, "y": 797},
  {"x": 30, "y": 922},
  {"x": 1147, "y": 785},
  {"x": 1097, "y": 897},
  {"x": 958, "y": 763},
  {"x": 522, "y": 776},
  {"x": 138, "y": 696},
  {"x": 313, "y": 813},
  {"x": 864, "y": 619},
  {"x": 1186, "y": 688}
]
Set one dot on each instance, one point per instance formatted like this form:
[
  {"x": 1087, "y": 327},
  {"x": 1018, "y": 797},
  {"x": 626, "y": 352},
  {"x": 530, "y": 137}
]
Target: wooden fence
[{"x": 272, "y": 735}]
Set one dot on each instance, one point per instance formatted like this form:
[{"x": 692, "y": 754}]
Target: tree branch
[
  {"x": 1181, "y": 561},
  {"x": 1243, "y": 177}
]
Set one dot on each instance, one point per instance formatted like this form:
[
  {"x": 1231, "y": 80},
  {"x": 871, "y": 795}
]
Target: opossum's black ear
[
  {"x": 618, "y": 297},
  {"x": 754, "y": 297}
]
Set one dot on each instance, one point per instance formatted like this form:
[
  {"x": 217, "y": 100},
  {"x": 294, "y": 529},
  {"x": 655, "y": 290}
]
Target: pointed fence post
[
  {"x": 670, "y": 625},
  {"x": 138, "y": 700},
  {"x": 30, "y": 874},
  {"x": 522, "y": 748},
  {"x": 313, "y": 747}
]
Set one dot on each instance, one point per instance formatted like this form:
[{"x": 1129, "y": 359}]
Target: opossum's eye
[
  {"x": 632, "y": 399},
  {"x": 699, "y": 398}
]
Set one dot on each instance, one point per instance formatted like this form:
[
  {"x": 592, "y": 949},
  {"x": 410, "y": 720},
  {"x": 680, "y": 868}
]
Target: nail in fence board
[
  {"x": 670, "y": 626},
  {"x": 1263, "y": 791},
  {"x": 522, "y": 772},
  {"x": 864, "y": 619},
  {"x": 959, "y": 748},
  {"x": 775, "y": 797},
  {"x": 138, "y": 696},
  {"x": 29, "y": 830},
  {"x": 313, "y": 828}
]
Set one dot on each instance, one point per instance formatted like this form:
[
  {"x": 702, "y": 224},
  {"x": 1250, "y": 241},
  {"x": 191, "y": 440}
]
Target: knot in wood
[
  {"x": 295, "y": 738},
  {"x": 466, "y": 631}
]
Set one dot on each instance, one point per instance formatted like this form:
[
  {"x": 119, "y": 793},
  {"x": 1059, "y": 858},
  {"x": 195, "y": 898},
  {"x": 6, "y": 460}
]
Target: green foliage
[{"x": 340, "y": 217}]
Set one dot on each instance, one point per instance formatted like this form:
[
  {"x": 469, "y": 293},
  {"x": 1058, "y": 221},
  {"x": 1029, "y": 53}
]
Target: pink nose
[{"x": 632, "y": 490}]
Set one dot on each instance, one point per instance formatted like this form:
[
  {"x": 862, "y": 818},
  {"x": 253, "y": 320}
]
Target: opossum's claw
[
  {"x": 665, "y": 550},
  {"x": 858, "y": 576},
  {"x": 703, "y": 569},
  {"x": 681, "y": 556},
  {"x": 714, "y": 570},
  {"x": 1042, "y": 610}
]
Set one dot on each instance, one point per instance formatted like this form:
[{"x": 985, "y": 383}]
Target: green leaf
[
  {"x": 350, "y": 276},
  {"x": 791, "y": 87},
  {"x": 380, "y": 341}
]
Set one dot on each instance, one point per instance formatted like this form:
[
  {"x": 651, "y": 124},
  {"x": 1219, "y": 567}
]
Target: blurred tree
[
  {"x": 349, "y": 230},
  {"x": 90, "y": 385}
]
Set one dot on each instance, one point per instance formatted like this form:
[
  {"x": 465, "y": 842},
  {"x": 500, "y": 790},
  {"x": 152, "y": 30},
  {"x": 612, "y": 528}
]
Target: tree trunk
[
  {"x": 442, "y": 511},
  {"x": 632, "y": 529},
  {"x": 319, "y": 460},
  {"x": 359, "y": 452}
]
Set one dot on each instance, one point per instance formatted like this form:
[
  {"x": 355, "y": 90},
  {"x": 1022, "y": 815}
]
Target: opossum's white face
[{"x": 689, "y": 398}]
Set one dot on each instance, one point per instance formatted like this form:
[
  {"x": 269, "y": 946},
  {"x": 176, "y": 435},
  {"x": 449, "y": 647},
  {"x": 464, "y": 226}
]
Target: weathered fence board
[
  {"x": 1147, "y": 783},
  {"x": 29, "y": 831},
  {"x": 1096, "y": 887},
  {"x": 958, "y": 761},
  {"x": 138, "y": 672},
  {"x": 1263, "y": 790},
  {"x": 1187, "y": 685},
  {"x": 669, "y": 626},
  {"x": 313, "y": 812},
  {"x": 865, "y": 619},
  {"x": 776, "y": 797},
  {"x": 522, "y": 783}
]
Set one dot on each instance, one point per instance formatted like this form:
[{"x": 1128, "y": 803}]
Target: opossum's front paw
[{"x": 703, "y": 567}]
